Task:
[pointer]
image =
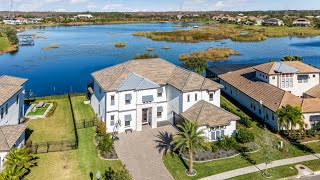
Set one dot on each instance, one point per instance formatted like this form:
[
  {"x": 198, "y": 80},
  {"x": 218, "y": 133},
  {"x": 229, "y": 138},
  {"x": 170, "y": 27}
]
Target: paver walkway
[
  {"x": 139, "y": 151},
  {"x": 259, "y": 167}
]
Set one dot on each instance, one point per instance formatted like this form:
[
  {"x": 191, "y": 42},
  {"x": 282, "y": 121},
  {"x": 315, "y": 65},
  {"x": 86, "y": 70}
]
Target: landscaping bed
[{"x": 297, "y": 136}]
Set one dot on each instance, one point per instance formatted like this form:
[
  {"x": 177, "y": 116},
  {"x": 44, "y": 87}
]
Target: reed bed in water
[
  {"x": 210, "y": 54},
  {"x": 52, "y": 46},
  {"x": 120, "y": 44}
]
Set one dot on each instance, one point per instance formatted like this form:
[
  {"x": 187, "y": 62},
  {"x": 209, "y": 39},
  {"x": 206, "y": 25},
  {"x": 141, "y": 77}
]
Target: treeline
[{"x": 10, "y": 33}]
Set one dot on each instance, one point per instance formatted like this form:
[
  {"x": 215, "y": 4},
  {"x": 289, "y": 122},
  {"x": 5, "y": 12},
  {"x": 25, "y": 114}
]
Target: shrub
[
  {"x": 244, "y": 136},
  {"x": 122, "y": 174},
  {"x": 105, "y": 144},
  {"x": 101, "y": 129},
  {"x": 246, "y": 122},
  {"x": 214, "y": 147},
  {"x": 227, "y": 143},
  {"x": 120, "y": 44},
  {"x": 54, "y": 107},
  {"x": 197, "y": 64},
  {"x": 145, "y": 56}
]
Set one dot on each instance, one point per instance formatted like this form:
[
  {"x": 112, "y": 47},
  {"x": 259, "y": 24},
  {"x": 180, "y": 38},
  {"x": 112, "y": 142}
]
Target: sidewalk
[{"x": 259, "y": 167}]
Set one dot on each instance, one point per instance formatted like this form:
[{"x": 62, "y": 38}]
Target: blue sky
[{"x": 158, "y": 5}]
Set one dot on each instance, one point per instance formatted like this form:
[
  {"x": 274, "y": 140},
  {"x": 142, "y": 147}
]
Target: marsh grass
[
  {"x": 120, "y": 44},
  {"x": 210, "y": 54},
  {"x": 228, "y": 31}
]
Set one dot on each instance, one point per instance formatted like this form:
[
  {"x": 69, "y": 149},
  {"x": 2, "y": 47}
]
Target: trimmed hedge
[{"x": 244, "y": 136}]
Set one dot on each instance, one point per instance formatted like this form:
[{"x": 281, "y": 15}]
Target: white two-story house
[
  {"x": 294, "y": 76},
  {"x": 12, "y": 132},
  {"x": 151, "y": 92}
]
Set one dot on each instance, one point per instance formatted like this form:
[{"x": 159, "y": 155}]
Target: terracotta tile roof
[
  {"x": 207, "y": 114},
  {"x": 158, "y": 71},
  {"x": 271, "y": 96},
  {"x": 311, "y": 105},
  {"x": 314, "y": 92},
  {"x": 9, "y": 86},
  {"x": 269, "y": 68},
  {"x": 9, "y": 135}
]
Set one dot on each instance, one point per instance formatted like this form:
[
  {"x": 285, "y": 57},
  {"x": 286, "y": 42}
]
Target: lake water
[{"x": 85, "y": 49}]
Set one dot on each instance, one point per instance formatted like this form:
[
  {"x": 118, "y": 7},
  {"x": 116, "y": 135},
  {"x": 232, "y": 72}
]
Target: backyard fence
[
  {"x": 53, "y": 146},
  {"x": 86, "y": 124},
  {"x": 74, "y": 121}
]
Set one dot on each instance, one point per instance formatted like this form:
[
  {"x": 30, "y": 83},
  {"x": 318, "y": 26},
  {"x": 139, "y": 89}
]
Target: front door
[{"x": 146, "y": 115}]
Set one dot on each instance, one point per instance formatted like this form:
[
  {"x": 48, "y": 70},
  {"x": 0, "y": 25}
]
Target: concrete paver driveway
[{"x": 142, "y": 152}]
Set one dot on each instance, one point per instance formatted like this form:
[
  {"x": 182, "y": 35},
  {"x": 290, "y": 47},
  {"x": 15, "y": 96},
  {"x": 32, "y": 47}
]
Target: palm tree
[
  {"x": 189, "y": 140},
  {"x": 13, "y": 173},
  {"x": 19, "y": 161},
  {"x": 290, "y": 117}
]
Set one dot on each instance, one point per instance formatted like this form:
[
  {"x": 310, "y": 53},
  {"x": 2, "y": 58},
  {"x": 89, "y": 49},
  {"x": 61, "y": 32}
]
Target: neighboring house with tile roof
[
  {"x": 255, "y": 89},
  {"x": 293, "y": 76},
  {"x": 302, "y": 22},
  {"x": 313, "y": 92},
  {"x": 149, "y": 92},
  {"x": 12, "y": 133}
]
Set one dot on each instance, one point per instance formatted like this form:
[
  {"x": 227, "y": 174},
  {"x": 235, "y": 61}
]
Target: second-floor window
[
  {"x": 159, "y": 92},
  {"x": 303, "y": 78},
  {"x": 211, "y": 97},
  {"x": 128, "y": 98},
  {"x": 188, "y": 98},
  {"x": 196, "y": 97},
  {"x": 112, "y": 100},
  {"x": 17, "y": 101},
  {"x": 7, "y": 108}
]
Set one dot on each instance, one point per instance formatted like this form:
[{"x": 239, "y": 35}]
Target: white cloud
[{"x": 78, "y": 1}]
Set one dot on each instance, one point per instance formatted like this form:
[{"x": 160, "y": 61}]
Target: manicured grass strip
[
  {"x": 39, "y": 111},
  {"x": 4, "y": 43},
  {"x": 281, "y": 171},
  {"x": 55, "y": 128},
  {"x": 82, "y": 111}
]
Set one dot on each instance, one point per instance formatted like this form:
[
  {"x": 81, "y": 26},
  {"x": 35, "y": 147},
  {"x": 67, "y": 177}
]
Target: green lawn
[
  {"x": 54, "y": 128},
  {"x": 4, "y": 43},
  {"x": 82, "y": 161},
  {"x": 281, "y": 171},
  {"x": 39, "y": 111},
  {"x": 177, "y": 167}
]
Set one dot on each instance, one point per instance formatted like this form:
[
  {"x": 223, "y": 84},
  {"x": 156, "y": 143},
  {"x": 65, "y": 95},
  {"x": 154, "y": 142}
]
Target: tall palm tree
[
  {"x": 19, "y": 160},
  {"x": 290, "y": 117},
  {"x": 189, "y": 140},
  {"x": 284, "y": 118}
]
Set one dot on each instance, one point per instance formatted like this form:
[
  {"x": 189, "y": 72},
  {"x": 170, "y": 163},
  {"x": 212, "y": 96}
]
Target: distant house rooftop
[
  {"x": 286, "y": 67},
  {"x": 219, "y": 69},
  {"x": 9, "y": 86},
  {"x": 153, "y": 72}
]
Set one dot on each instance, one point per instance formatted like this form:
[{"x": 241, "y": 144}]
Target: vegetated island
[
  {"x": 210, "y": 54},
  {"x": 8, "y": 39},
  {"x": 52, "y": 46},
  {"x": 239, "y": 33}
]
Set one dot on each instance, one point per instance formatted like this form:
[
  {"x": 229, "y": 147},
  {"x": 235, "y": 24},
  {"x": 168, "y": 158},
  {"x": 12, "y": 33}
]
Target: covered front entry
[{"x": 146, "y": 116}]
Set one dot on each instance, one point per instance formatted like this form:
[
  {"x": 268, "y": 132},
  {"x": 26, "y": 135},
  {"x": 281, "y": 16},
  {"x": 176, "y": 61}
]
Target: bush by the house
[
  {"x": 101, "y": 129},
  {"x": 105, "y": 144},
  {"x": 54, "y": 107},
  {"x": 122, "y": 174},
  {"x": 227, "y": 143},
  {"x": 246, "y": 122},
  {"x": 244, "y": 136}
]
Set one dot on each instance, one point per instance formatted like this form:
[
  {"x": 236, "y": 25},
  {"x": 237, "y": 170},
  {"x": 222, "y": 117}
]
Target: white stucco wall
[
  {"x": 2, "y": 159},
  {"x": 228, "y": 131},
  {"x": 98, "y": 101},
  {"x": 15, "y": 109},
  {"x": 307, "y": 118},
  {"x": 266, "y": 114},
  {"x": 174, "y": 100}
]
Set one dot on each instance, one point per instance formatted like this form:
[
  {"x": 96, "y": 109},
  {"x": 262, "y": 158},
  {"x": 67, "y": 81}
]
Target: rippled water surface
[{"x": 85, "y": 49}]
